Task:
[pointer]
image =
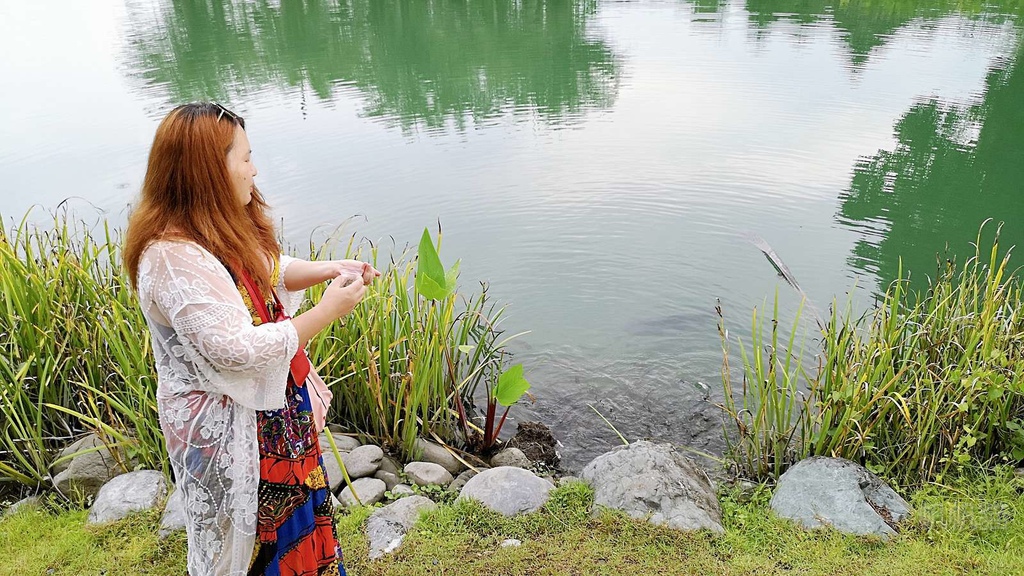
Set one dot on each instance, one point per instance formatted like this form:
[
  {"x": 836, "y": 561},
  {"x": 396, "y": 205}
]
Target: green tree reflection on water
[
  {"x": 867, "y": 24},
  {"x": 413, "y": 62},
  {"x": 953, "y": 166}
]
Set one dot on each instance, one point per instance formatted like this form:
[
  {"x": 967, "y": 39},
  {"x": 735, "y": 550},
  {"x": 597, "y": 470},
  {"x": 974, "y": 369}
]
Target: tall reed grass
[
  {"x": 925, "y": 383},
  {"x": 75, "y": 351}
]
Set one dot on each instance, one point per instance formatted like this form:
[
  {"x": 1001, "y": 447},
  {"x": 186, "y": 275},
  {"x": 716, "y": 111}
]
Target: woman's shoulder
[{"x": 181, "y": 252}]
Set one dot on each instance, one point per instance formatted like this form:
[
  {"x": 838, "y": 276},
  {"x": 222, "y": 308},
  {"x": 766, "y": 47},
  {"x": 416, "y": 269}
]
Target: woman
[{"x": 239, "y": 430}]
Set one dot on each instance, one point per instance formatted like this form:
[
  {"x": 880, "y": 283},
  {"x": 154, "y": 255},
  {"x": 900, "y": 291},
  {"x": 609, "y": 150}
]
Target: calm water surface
[{"x": 600, "y": 164}]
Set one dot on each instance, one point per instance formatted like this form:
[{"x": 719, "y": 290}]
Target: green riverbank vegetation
[{"x": 926, "y": 383}]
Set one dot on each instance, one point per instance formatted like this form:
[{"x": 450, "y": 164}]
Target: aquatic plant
[{"x": 925, "y": 383}]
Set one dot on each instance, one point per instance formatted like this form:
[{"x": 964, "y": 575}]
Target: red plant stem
[
  {"x": 489, "y": 425},
  {"x": 501, "y": 423},
  {"x": 462, "y": 416}
]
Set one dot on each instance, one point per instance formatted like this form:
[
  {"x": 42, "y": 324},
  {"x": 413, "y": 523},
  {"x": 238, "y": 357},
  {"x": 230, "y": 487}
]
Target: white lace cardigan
[{"x": 214, "y": 370}]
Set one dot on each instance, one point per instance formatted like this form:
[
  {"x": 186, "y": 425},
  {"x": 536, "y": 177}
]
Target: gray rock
[
  {"x": 369, "y": 490},
  {"x": 1019, "y": 472},
  {"x": 173, "y": 518},
  {"x": 508, "y": 490},
  {"x": 511, "y": 543},
  {"x": 363, "y": 461},
  {"x": 335, "y": 502},
  {"x": 654, "y": 482},
  {"x": 390, "y": 480},
  {"x": 430, "y": 452},
  {"x": 23, "y": 504},
  {"x": 131, "y": 492},
  {"x": 389, "y": 464},
  {"x": 343, "y": 442},
  {"x": 511, "y": 457},
  {"x": 425, "y": 473},
  {"x": 86, "y": 473},
  {"x": 387, "y": 526},
  {"x": 832, "y": 491},
  {"x": 568, "y": 480},
  {"x": 460, "y": 481},
  {"x": 401, "y": 490}
]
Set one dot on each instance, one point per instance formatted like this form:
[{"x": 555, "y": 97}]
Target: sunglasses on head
[{"x": 234, "y": 117}]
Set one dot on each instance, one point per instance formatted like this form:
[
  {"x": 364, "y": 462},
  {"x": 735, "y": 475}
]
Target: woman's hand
[
  {"x": 340, "y": 297},
  {"x": 343, "y": 294},
  {"x": 335, "y": 268}
]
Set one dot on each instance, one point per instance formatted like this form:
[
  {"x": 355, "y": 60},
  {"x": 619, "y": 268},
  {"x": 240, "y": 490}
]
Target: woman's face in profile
[{"x": 240, "y": 167}]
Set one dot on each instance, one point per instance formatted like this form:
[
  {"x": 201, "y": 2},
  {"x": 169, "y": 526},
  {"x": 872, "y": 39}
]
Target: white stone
[
  {"x": 173, "y": 518},
  {"x": 363, "y": 461},
  {"x": 127, "y": 493}
]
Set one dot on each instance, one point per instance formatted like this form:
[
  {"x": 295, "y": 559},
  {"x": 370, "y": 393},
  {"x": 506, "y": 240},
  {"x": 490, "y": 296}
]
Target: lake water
[{"x": 601, "y": 164}]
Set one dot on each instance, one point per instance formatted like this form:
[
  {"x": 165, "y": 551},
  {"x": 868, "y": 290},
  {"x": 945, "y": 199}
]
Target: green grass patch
[{"x": 972, "y": 526}]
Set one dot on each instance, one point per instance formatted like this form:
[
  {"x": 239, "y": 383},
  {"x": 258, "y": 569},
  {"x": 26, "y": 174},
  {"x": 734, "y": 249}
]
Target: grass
[
  {"x": 922, "y": 385},
  {"x": 972, "y": 526}
]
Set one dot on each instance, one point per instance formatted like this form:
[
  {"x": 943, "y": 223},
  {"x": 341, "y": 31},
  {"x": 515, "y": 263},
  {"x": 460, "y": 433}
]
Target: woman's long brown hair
[{"x": 188, "y": 189}]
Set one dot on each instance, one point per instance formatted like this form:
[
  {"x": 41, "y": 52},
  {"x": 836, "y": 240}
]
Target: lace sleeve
[
  {"x": 195, "y": 295},
  {"x": 291, "y": 300}
]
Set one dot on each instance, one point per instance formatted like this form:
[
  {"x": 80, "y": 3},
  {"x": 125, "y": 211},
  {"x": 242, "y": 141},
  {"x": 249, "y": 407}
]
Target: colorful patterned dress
[{"x": 295, "y": 521}]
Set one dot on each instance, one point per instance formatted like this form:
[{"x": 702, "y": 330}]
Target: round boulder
[
  {"x": 426, "y": 473},
  {"x": 369, "y": 490},
  {"x": 363, "y": 461},
  {"x": 655, "y": 482},
  {"x": 508, "y": 490}
]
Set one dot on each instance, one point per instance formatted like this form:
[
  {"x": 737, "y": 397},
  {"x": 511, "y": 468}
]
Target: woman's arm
[{"x": 301, "y": 274}]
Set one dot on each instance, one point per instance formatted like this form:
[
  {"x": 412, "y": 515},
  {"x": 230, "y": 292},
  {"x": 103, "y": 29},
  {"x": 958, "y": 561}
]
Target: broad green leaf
[
  {"x": 511, "y": 386},
  {"x": 466, "y": 348},
  {"x": 431, "y": 281},
  {"x": 452, "y": 276}
]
